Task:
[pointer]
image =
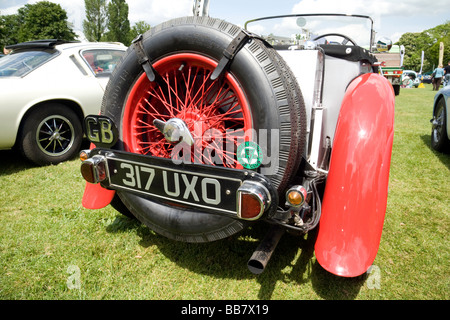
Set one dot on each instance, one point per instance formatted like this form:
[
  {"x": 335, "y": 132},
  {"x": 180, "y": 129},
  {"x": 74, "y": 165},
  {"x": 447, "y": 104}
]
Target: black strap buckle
[
  {"x": 143, "y": 59},
  {"x": 230, "y": 52}
]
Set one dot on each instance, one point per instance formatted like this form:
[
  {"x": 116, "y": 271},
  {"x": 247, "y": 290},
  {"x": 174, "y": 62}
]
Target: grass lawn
[{"x": 52, "y": 248}]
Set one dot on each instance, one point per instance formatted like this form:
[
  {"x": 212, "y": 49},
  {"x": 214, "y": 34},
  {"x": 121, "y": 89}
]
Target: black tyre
[
  {"x": 396, "y": 89},
  {"x": 439, "y": 137},
  {"x": 257, "y": 92},
  {"x": 118, "y": 205},
  {"x": 51, "y": 134}
]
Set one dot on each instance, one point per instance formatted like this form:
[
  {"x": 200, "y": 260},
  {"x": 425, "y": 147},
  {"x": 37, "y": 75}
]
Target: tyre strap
[
  {"x": 230, "y": 52},
  {"x": 143, "y": 59}
]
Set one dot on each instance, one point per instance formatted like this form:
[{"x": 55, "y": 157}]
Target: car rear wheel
[
  {"x": 258, "y": 92},
  {"x": 439, "y": 137},
  {"x": 51, "y": 134}
]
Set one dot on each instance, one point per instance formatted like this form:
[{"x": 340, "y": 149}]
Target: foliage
[
  {"x": 118, "y": 23},
  {"x": 139, "y": 27},
  {"x": 94, "y": 26},
  {"x": 427, "y": 41},
  {"x": 9, "y": 25},
  {"x": 43, "y": 20}
]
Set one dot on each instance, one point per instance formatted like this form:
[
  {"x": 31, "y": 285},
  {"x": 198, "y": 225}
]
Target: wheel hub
[{"x": 174, "y": 130}]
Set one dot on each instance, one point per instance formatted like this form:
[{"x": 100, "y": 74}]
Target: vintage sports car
[
  {"x": 47, "y": 88},
  {"x": 440, "y": 132},
  {"x": 207, "y": 128}
]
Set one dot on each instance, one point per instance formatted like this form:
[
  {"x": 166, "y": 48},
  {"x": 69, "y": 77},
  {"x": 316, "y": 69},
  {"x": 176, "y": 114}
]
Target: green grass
[{"x": 45, "y": 234}]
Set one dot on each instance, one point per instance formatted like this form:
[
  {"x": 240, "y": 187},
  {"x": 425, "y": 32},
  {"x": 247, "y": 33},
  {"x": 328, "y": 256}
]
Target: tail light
[
  {"x": 253, "y": 200},
  {"x": 296, "y": 196},
  {"x": 93, "y": 169}
]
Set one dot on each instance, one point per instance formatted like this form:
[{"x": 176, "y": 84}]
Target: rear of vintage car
[{"x": 318, "y": 124}]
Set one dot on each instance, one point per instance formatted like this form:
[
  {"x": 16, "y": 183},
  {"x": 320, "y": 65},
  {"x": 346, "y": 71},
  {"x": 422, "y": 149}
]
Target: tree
[
  {"x": 118, "y": 23},
  {"x": 427, "y": 41},
  {"x": 94, "y": 26},
  {"x": 139, "y": 27},
  {"x": 43, "y": 20},
  {"x": 8, "y": 30}
]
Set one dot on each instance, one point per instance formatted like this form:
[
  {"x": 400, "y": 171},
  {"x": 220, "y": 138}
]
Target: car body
[
  {"x": 411, "y": 75},
  {"x": 54, "y": 73},
  {"x": 427, "y": 78},
  {"x": 287, "y": 121},
  {"x": 440, "y": 132}
]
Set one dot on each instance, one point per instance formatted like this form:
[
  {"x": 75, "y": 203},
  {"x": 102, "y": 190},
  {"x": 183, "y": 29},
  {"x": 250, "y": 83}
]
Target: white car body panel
[{"x": 338, "y": 73}]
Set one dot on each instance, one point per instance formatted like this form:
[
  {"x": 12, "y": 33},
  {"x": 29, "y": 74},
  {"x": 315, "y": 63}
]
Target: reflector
[
  {"x": 93, "y": 170},
  {"x": 250, "y": 206},
  {"x": 253, "y": 200},
  {"x": 87, "y": 171}
]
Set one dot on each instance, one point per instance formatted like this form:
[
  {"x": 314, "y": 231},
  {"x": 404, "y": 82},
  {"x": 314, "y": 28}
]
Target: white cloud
[
  {"x": 373, "y": 8},
  {"x": 157, "y": 11},
  {"x": 391, "y": 18}
]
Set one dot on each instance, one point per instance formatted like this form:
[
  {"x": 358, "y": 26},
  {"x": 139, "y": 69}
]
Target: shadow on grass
[
  {"x": 292, "y": 261},
  {"x": 443, "y": 157},
  {"x": 12, "y": 161}
]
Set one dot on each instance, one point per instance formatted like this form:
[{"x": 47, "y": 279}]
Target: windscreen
[{"x": 297, "y": 29}]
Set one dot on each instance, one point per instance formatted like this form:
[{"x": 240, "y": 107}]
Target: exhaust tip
[
  {"x": 261, "y": 256},
  {"x": 255, "y": 266}
]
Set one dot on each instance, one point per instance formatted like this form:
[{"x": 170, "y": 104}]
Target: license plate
[{"x": 191, "y": 189}]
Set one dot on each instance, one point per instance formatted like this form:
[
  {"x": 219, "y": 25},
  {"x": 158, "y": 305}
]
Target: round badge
[{"x": 249, "y": 155}]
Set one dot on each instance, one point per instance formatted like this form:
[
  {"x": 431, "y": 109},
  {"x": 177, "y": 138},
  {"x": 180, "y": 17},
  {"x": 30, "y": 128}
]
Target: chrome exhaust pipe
[{"x": 263, "y": 252}]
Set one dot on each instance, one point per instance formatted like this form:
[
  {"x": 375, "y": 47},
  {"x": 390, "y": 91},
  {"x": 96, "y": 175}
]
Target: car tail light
[
  {"x": 93, "y": 169},
  {"x": 296, "y": 196},
  {"x": 84, "y": 155},
  {"x": 253, "y": 200}
]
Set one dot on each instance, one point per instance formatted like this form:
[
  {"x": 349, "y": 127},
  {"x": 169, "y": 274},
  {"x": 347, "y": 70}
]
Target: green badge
[{"x": 249, "y": 155}]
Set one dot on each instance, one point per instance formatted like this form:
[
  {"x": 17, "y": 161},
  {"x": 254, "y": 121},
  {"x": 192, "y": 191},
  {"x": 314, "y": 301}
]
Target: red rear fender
[
  {"x": 95, "y": 196},
  {"x": 355, "y": 197}
]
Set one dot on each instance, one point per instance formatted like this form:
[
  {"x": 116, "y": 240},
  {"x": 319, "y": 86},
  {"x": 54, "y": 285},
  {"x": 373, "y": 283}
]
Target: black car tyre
[
  {"x": 258, "y": 91},
  {"x": 51, "y": 133},
  {"x": 439, "y": 137}
]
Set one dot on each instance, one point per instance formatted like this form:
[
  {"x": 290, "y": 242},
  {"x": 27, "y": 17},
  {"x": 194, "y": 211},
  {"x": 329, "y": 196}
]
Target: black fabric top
[{"x": 47, "y": 43}]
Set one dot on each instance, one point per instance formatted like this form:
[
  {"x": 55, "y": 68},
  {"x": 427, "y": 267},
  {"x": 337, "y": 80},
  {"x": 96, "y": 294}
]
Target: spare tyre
[{"x": 257, "y": 91}]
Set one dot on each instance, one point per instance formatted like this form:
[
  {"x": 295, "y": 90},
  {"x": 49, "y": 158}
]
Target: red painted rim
[{"x": 216, "y": 112}]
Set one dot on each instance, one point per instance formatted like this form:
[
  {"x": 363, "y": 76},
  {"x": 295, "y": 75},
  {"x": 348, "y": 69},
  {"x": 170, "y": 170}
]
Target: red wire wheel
[{"x": 215, "y": 112}]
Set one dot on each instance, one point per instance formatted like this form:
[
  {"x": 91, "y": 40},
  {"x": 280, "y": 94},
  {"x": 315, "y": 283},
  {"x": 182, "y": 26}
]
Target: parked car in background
[
  {"x": 440, "y": 132},
  {"x": 47, "y": 88},
  {"x": 410, "y": 74},
  {"x": 427, "y": 78}
]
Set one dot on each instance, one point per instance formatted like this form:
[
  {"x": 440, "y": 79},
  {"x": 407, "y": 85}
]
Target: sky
[{"x": 391, "y": 18}]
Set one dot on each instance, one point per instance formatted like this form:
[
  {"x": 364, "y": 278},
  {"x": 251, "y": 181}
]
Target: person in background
[
  {"x": 447, "y": 74},
  {"x": 438, "y": 74}
]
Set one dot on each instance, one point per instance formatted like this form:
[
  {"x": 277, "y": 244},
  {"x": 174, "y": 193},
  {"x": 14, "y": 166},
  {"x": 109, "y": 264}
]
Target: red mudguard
[
  {"x": 355, "y": 197},
  {"x": 95, "y": 196}
]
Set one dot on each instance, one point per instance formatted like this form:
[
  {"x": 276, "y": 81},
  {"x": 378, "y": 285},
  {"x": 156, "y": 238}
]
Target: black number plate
[{"x": 193, "y": 189}]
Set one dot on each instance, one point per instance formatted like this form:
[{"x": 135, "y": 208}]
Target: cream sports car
[{"x": 46, "y": 88}]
